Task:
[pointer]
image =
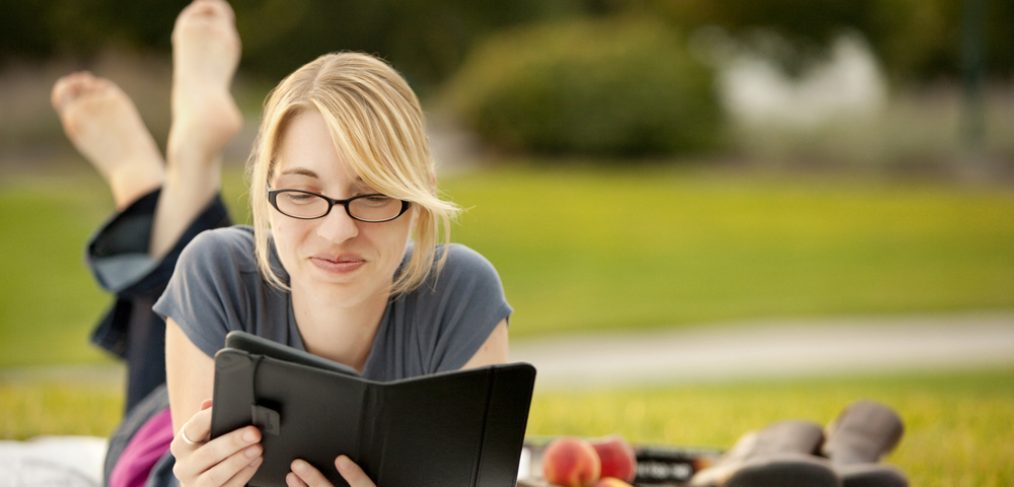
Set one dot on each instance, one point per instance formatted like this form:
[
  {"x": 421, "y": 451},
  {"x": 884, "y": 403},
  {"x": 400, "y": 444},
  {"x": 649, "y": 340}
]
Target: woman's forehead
[{"x": 306, "y": 150}]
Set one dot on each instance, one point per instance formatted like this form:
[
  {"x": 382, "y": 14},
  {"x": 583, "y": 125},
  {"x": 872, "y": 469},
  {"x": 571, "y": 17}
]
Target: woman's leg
[
  {"x": 103, "y": 124},
  {"x": 133, "y": 255},
  {"x": 206, "y": 51}
]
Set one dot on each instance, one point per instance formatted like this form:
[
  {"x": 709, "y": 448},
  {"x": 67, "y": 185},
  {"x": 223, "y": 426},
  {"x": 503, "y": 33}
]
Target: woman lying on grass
[{"x": 345, "y": 257}]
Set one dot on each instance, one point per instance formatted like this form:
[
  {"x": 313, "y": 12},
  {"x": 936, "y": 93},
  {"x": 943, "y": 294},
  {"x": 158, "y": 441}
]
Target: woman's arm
[
  {"x": 189, "y": 374},
  {"x": 230, "y": 459},
  {"x": 494, "y": 351}
]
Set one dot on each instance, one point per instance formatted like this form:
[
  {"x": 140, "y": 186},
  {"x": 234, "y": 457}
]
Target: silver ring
[{"x": 186, "y": 439}]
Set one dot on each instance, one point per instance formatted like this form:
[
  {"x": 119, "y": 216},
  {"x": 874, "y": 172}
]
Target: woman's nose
[{"x": 337, "y": 226}]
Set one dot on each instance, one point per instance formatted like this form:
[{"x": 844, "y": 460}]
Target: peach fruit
[
  {"x": 611, "y": 482},
  {"x": 571, "y": 462},
  {"x": 617, "y": 458}
]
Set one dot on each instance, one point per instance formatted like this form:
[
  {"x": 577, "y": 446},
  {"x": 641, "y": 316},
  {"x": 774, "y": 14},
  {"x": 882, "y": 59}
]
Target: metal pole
[{"x": 973, "y": 127}]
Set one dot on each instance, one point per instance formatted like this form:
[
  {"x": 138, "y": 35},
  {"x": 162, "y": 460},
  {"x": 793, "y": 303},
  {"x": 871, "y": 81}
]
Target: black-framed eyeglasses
[{"x": 305, "y": 205}]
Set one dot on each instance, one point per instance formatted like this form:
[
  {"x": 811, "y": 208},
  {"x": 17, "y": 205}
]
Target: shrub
[{"x": 611, "y": 87}]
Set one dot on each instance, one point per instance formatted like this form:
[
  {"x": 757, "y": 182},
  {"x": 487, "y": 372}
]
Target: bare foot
[
  {"x": 206, "y": 50},
  {"x": 103, "y": 124}
]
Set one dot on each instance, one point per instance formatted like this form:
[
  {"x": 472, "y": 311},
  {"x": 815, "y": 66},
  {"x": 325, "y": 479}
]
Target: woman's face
[{"x": 347, "y": 260}]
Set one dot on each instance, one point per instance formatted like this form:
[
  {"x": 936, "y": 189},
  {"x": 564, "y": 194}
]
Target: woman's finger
[
  {"x": 193, "y": 433},
  {"x": 351, "y": 472},
  {"x": 193, "y": 462},
  {"x": 309, "y": 474},
  {"x": 292, "y": 480},
  {"x": 235, "y": 467},
  {"x": 244, "y": 476}
]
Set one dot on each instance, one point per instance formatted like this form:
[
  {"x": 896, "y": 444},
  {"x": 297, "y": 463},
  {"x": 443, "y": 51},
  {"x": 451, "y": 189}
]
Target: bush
[{"x": 613, "y": 87}]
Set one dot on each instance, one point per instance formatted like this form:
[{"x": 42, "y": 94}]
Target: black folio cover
[{"x": 463, "y": 428}]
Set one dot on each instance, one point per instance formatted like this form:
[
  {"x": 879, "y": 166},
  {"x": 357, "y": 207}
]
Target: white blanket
[{"x": 59, "y": 461}]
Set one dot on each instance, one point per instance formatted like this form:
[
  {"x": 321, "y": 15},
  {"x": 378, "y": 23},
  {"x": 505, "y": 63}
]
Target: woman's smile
[{"x": 341, "y": 264}]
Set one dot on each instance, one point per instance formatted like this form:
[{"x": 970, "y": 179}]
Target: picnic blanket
[{"x": 58, "y": 461}]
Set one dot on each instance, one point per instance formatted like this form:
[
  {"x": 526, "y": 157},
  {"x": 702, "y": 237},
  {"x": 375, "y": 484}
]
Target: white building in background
[{"x": 847, "y": 85}]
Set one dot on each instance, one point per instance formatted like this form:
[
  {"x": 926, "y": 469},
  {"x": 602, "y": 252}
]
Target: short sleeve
[
  {"x": 204, "y": 296},
  {"x": 461, "y": 310}
]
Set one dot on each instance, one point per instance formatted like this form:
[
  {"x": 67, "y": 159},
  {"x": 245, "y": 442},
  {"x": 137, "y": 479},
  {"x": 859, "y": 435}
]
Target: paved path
[
  {"x": 734, "y": 351},
  {"x": 770, "y": 349}
]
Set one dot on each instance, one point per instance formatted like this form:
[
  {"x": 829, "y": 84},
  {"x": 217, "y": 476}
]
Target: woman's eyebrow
[{"x": 300, "y": 171}]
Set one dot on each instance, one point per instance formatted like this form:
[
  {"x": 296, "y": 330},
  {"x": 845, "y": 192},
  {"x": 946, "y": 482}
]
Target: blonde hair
[{"x": 376, "y": 124}]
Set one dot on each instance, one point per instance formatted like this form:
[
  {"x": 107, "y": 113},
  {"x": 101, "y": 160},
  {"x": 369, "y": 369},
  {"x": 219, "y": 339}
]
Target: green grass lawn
[
  {"x": 958, "y": 424},
  {"x": 587, "y": 250},
  {"x": 584, "y": 249}
]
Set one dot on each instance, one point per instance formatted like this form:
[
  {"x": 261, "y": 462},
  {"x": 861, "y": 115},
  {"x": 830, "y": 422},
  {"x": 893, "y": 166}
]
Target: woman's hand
[
  {"x": 229, "y": 460},
  {"x": 305, "y": 475}
]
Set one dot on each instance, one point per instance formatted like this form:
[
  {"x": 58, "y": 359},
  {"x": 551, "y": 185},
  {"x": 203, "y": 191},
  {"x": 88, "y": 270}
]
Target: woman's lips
[{"x": 340, "y": 265}]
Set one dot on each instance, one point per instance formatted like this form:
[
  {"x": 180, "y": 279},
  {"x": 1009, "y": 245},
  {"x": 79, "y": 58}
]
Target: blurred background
[{"x": 634, "y": 169}]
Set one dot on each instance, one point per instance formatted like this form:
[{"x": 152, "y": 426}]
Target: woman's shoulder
[
  {"x": 232, "y": 246},
  {"x": 236, "y": 237},
  {"x": 463, "y": 259},
  {"x": 464, "y": 271}
]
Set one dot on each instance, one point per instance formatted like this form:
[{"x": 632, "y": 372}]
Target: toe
[{"x": 67, "y": 88}]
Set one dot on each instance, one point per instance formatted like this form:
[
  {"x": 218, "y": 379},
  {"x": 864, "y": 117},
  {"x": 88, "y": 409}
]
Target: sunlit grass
[
  {"x": 59, "y": 407},
  {"x": 958, "y": 424},
  {"x": 584, "y": 249},
  {"x": 608, "y": 249}
]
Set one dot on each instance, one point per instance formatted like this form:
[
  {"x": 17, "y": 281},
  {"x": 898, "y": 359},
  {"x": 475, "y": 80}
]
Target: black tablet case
[{"x": 463, "y": 428}]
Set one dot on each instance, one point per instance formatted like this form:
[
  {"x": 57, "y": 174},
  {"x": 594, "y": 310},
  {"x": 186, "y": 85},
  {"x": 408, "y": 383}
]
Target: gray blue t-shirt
[{"x": 217, "y": 288}]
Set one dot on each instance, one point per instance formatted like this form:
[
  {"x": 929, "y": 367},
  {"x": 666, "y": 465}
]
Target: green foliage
[
  {"x": 425, "y": 40},
  {"x": 602, "y": 87},
  {"x": 915, "y": 40}
]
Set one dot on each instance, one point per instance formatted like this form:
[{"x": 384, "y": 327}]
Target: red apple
[
  {"x": 570, "y": 462},
  {"x": 611, "y": 482},
  {"x": 617, "y": 458}
]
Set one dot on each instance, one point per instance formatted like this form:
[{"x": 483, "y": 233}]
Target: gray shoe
[
  {"x": 784, "y": 470},
  {"x": 870, "y": 475},
  {"x": 781, "y": 455},
  {"x": 856, "y": 441}
]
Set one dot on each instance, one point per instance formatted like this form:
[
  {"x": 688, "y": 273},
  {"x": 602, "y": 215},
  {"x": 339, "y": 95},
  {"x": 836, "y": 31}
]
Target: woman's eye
[
  {"x": 375, "y": 200},
  {"x": 300, "y": 197}
]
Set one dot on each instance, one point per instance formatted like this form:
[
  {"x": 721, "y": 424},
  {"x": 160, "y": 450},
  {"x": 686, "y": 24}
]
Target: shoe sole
[{"x": 784, "y": 473}]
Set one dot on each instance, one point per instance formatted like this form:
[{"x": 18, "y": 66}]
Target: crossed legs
[{"x": 105, "y": 127}]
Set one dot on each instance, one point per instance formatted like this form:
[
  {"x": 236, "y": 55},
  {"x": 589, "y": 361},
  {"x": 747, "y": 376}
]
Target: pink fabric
[{"x": 143, "y": 451}]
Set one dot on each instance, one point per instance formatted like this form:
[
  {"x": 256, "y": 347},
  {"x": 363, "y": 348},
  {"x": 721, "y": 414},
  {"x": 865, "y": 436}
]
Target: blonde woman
[{"x": 348, "y": 256}]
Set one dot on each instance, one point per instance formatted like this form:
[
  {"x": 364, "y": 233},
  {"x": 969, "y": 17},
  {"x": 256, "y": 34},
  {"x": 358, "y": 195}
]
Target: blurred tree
[
  {"x": 915, "y": 39},
  {"x": 425, "y": 40},
  {"x": 605, "y": 87}
]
